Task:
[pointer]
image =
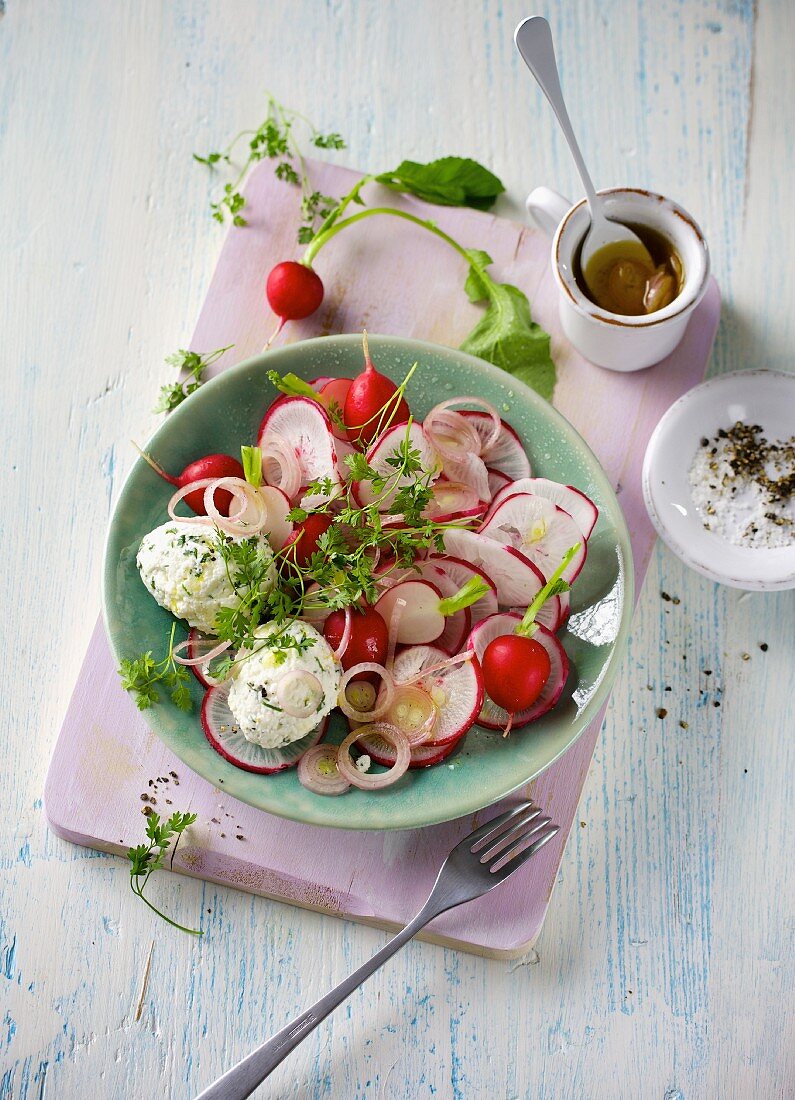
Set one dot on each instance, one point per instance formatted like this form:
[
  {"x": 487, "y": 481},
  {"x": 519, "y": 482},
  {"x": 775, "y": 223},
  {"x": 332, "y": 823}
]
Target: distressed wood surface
[
  {"x": 666, "y": 960},
  {"x": 106, "y": 758}
]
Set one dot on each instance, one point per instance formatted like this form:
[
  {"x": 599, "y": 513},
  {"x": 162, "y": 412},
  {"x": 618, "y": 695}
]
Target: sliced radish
[
  {"x": 422, "y": 756},
  {"x": 540, "y": 530},
  {"x": 421, "y": 620},
  {"x": 497, "y": 482},
  {"x": 456, "y": 626},
  {"x": 198, "y": 645},
  {"x": 507, "y": 454},
  {"x": 452, "y": 500},
  {"x": 459, "y": 572},
  {"x": 303, "y": 427},
  {"x": 580, "y": 507},
  {"x": 457, "y": 690},
  {"x": 384, "y": 449},
  {"x": 469, "y": 470},
  {"x": 494, "y": 717},
  {"x": 515, "y": 577},
  {"x": 277, "y": 527},
  {"x": 221, "y": 730}
]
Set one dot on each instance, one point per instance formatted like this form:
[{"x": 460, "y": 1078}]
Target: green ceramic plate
[{"x": 225, "y": 413}]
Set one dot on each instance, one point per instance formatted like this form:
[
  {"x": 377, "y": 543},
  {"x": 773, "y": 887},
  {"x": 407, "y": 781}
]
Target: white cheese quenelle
[
  {"x": 182, "y": 566},
  {"x": 285, "y": 685}
]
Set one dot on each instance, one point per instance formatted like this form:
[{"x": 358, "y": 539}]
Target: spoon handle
[{"x": 533, "y": 38}]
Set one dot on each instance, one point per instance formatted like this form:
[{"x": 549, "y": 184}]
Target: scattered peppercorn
[
  {"x": 683, "y": 725},
  {"x": 763, "y": 646},
  {"x": 661, "y": 712}
]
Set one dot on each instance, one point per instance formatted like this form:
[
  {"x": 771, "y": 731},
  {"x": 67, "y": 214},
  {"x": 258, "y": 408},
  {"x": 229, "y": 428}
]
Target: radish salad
[{"x": 412, "y": 575}]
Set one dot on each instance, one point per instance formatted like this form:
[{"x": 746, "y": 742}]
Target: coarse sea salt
[{"x": 742, "y": 487}]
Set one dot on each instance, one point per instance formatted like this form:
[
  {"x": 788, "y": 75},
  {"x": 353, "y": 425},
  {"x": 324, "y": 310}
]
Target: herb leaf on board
[
  {"x": 448, "y": 181},
  {"x": 146, "y": 859},
  {"x": 506, "y": 334}
]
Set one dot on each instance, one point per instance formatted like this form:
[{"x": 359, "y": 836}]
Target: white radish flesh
[
  {"x": 384, "y": 448},
  {"x": 494, "y": 717},
  {"x": 507, "y": 454},
  {"x": 515, "y": 577},
  {"x": 302, "y": 425},
  {"x": 277, "y": 527},
  {"x": 421, "y": 620},
  {"x": 221, "y": 730},
  {"x": 580, "y": 507},
  {"x": 538, "y": 529},
  {"x": 459, "y": 572}
]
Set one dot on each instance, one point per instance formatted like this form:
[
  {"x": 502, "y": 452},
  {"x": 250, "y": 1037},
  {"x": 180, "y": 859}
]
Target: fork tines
[{"x": 519, "y": 832}]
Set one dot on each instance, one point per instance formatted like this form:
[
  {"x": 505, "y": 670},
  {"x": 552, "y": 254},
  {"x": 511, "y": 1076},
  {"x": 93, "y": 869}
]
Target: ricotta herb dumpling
[
  {"x": 183, "y": 567},
  {"x": 285, "y": 685}
]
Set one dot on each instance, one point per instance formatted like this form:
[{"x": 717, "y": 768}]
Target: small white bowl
[{"x": 761, "y": 397}]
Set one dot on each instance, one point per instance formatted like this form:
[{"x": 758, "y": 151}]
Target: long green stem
[
  {"x": 325, "y": 235},
  {"x": 553, "y": 586}
]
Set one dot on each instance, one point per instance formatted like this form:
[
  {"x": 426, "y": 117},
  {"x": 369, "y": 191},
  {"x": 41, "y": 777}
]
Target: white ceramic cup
[{"x": 610, "y": 339}]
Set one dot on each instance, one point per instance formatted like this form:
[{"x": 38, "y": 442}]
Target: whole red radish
[
  {"x": 303, "y": 542},
  {"x": 294, "y": 291},
  {"x": 369, "y": 638},
  {"x": 209, "y": 466},
  {"x": 367, "y": 399},
  {"x": 515, "y": 670}
]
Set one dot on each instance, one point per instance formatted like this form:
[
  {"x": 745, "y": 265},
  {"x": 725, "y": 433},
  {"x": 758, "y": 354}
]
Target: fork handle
[{"x": 242, "y": 1079}]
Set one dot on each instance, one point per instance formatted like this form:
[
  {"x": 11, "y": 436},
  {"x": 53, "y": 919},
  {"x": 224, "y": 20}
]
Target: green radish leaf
[
  {"x": 506, "y": 334},
  {"x": 449, "y": 181}
]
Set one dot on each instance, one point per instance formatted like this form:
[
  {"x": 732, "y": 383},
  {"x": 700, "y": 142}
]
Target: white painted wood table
[{"x": 666, "y": 959}]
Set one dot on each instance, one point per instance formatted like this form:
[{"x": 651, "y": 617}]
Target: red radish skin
[
  {"x": 303, "y": 542},
  {"x": 210, "y": 466},
  {"x": 367, "y": 396},
  {"x": 294, "y": 291},
  {"x": 515, "y": 670},
  {"x": 369, "y": 639}
]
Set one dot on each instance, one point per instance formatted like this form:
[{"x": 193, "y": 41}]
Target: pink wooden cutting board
[{"x": 390, "y": 277}]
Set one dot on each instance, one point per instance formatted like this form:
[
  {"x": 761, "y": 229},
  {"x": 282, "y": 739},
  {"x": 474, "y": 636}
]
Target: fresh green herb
[
  {"x": 506, "y": 334},
  {"x": 144, "y": 677},
  {"x": 252, "y": 465},
  {"x": 274, "y": 139},
  {"x": 449, "y": 181},
  {"x": 194, "y": 365},
  {"x": 148, "y": 858},
  {"x": 554, "y": 586}
]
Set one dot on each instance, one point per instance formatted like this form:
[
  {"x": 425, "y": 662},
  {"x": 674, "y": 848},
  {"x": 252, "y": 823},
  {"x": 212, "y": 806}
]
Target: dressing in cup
[{"x": 619, "y": 341}]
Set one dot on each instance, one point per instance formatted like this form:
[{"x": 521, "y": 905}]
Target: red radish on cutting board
[{"x": 294, "y": 291}]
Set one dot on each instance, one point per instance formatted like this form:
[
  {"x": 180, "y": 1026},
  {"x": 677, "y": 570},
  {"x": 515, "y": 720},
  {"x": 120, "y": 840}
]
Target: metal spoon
[{"x": 533, "y": 39}]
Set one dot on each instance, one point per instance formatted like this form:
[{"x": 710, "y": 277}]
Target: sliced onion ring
[
  {"x": 277, "y": 452},
  {"x": 367, "y": 781},
  {"x": 251, "y": 504},
  {"x": 477, "y": 403},
  {"x": 198, "y": 521},
  {"x": 382, "y": 706},
  {"x": 459, "y": 659},
  {"x": 394, "y": 626},
  {"x": 459, "y": 498},
  {"x": 451, "y": 434},
  {"x": 203, "y": 658},
  {"x": 413, "y": 699},
  {"x": 303, "y": 679},
  {"x": 318, "y": 771}
]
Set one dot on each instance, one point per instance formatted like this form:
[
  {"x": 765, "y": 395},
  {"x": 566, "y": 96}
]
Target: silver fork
[{"x": 476, "y": 865}]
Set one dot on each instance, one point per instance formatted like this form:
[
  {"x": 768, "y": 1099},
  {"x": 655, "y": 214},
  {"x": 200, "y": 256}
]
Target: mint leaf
[
  {"x": 449, "y": 181},
  {"x": 506, "y": 334}
]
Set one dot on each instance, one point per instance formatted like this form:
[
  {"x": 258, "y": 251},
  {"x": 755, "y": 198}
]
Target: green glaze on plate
[{"x": 225, "y": 413}]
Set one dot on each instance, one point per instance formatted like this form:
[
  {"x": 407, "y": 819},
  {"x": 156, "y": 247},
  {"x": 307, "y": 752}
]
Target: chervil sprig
[
  {"x": 194, "y": 364},
  {"x": 145, "y": 859},
  {"x": 274, "y": 139},
  {"x": 144, "y": 677}
]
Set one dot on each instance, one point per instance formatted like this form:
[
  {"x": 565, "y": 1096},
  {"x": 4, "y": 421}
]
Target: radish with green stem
[
  {"x": 209, "y": 467},
  {"x": 370, "y": 398},
  {"x": 423, "y": 617},
  {"x": 519, "y": 656}
]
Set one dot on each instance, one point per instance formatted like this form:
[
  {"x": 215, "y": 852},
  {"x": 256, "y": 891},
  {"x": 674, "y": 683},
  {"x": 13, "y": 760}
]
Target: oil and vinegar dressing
[{"x": 620, "y": 279}]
